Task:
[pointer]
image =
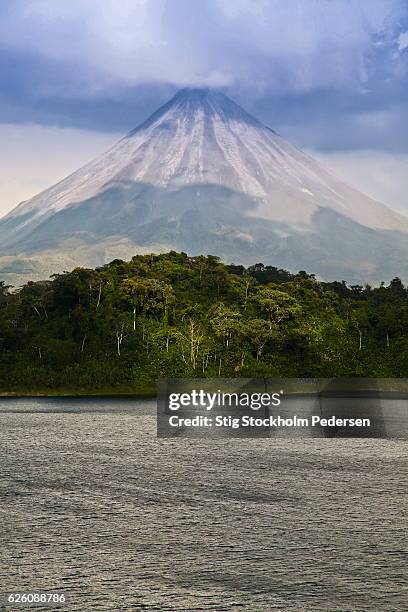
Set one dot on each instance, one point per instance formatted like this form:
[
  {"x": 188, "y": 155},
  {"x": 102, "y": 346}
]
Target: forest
[{"x": 120, "y": 327}]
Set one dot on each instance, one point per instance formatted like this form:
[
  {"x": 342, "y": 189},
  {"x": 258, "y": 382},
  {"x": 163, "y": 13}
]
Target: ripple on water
[{"x": 94, "y": 505}]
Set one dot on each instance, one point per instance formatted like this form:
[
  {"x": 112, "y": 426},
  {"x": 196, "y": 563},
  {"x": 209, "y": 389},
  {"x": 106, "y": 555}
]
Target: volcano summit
[{"x": 201, "y": 175}]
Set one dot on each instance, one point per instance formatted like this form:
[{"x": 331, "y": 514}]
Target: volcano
[{"x": 201, "y": 175}]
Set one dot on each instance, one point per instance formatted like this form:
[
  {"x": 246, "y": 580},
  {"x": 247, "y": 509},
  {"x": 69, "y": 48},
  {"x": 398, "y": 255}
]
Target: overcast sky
[{"x": 329, "y": 75}]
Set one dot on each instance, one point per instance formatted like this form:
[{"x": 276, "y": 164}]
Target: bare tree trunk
[
  {"x": 134, "y": 318},
  {"x": 360, "y": 345},
  {"x": 119, "y": 340},
  {"x": 83, "y": 344},
  {"x": 99, "y": 295},
  {"x": 192, "y": 351},
  {"x": 247, "y": 286},
  {"x": 167, "y": 344},
  {"x": 388, "y": 340},
  {"x": 39, "y": 352},
  {"x": 219, "y": 367}
]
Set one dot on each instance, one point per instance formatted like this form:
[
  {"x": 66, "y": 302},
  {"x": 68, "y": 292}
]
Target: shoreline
[
  {"x": 396, "y": 391},
  {"x": 80, "y": 393}
]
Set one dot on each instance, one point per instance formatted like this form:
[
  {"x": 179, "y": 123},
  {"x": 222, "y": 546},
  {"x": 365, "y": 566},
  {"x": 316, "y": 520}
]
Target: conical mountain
[{"x": 203, "y": 176}]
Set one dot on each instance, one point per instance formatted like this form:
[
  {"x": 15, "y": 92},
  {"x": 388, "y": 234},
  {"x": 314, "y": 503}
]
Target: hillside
[{"x": 122, "y": 326}]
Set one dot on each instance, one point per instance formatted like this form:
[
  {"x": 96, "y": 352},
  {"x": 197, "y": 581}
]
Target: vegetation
[{"x": 122, "y": 326}]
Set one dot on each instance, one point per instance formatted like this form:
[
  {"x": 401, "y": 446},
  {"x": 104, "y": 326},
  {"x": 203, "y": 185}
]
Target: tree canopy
[{"x": 123, "y": 325}]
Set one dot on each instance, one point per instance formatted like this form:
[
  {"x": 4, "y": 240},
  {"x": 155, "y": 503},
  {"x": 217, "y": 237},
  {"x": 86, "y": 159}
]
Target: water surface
[{"x": 94, "y": 505}]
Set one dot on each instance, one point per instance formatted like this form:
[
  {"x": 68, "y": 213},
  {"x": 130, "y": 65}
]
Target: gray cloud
[
  {"x": 381, "y": 175},
  {"x": 289, "y": 46},
  {"x": 384, "y": 129}
]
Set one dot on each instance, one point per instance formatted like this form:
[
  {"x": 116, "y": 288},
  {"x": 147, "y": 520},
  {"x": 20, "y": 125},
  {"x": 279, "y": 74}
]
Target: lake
[{"x": 95, "y": 506}]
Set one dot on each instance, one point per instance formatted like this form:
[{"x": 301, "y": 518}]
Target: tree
[
  {"x": 257, "y": 333},
  {"x": 225, "y": 322},
  {"x": 277, "y": 305},
  {"x": 147, "y": 295}
]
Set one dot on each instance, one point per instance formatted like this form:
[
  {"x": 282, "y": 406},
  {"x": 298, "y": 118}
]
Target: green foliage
[{"x": 128, "y": 323}]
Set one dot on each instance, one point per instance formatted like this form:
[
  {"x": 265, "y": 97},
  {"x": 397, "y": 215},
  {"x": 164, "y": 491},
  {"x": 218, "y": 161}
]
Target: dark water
[{"x": 92, "y": 504}]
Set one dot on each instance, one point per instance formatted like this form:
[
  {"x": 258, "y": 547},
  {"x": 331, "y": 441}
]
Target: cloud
[
  {"x": 36, "y": 157},
  {"x": 403, "y": 41},
  {"x": 384, "y": 129},
  {"x": 383, "y": 176},
  {"x": 289, "y": 46}
]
